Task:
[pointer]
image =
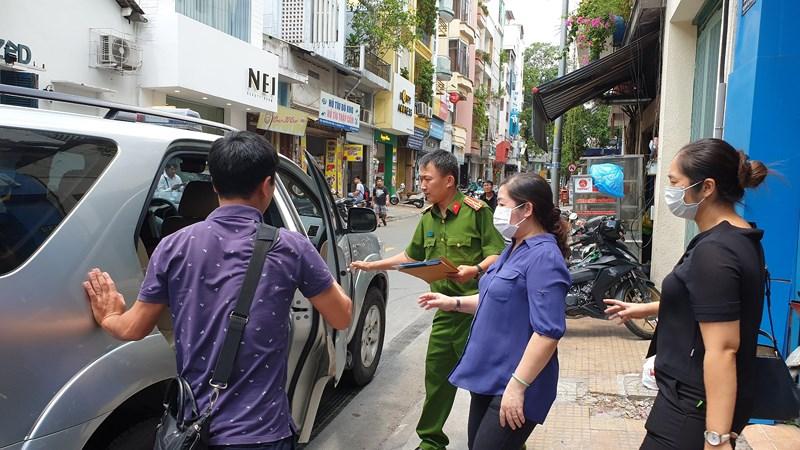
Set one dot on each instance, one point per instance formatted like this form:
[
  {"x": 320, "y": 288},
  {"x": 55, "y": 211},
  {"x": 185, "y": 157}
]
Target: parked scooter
[
  {"x": 417, "y": 200},
  {"x": 609, "y": 270}
]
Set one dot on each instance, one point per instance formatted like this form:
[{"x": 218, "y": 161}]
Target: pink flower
[
  {"x": 569, "y": 23},
  {"x": 596, "y": 22}
]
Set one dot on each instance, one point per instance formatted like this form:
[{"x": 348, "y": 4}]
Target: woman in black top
[{"x": 710, "y": 307}]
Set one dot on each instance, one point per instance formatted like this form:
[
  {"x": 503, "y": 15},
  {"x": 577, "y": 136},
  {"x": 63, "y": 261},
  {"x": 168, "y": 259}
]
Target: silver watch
[{"x": 714, "y": 439}]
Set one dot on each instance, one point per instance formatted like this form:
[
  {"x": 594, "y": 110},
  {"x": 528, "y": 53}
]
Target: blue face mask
[{"x": 674, "y": 197}]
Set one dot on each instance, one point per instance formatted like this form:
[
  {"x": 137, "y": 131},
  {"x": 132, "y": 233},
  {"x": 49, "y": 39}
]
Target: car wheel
[
  {"x": 367, "y": 344},
  {"x": 140, "y": 436}
]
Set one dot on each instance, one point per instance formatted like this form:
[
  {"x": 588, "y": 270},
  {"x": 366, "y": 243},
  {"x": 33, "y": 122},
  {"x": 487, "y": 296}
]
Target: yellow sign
[
  {"x": 384, "y": 137},
  {"x": 285, "y": 120},
  {"x": 354, "y": 152},
  {"x": 333, "y": 163}
]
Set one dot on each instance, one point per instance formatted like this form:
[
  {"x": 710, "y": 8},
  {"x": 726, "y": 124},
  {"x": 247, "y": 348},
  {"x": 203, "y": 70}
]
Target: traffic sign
[{"x": 572, "y": 168}]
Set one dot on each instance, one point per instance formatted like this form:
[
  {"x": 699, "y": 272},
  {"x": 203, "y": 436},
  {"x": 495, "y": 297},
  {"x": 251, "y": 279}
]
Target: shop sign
[
  {"x": 444, "y": 109},
  {"x": 415, "y": 141},
  {"x": 286, "y": 121},
  {"x": 436, "y": 130},
  {"x": 333, "y": 163},
  {"x": 583, "y": 184},
  {"x": 339, "y": 113},
  {"x": 403, "y": 105},
  {"x": 262, "y": 84},
  {"x": 12, "y": 50},
  {"x": 354, "y": 152},
  {"x": 382, "y": 137}
]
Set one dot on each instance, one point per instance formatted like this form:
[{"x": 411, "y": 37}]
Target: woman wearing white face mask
[
  {"x": 710, "y": 307},
  {"x": 510, "y": 364}
]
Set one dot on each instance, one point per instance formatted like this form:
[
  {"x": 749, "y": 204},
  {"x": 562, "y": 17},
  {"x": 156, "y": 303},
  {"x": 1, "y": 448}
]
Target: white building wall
[{"x": 62, "y": 48}]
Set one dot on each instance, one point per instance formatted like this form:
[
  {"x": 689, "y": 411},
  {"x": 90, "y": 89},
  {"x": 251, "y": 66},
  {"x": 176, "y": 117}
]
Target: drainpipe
[{"x": 722, "y": 86}]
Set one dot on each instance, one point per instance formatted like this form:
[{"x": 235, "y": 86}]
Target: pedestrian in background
[
  {"x": 711, "y": 305},
  {"x": 379, "y": 195},
  {"x": 358, "y": 193},
  {"x": 459, "y": 228},
  {"x": 198, "y": 285},
  {"x": 488, "y": 195},
  {"x": 510, "y": 363}
]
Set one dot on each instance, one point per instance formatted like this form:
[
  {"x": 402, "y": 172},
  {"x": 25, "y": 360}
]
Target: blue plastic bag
[{"x": 609, "y": 179}]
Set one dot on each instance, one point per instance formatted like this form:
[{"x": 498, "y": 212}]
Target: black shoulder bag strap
[{"x": 266, "y": 236}]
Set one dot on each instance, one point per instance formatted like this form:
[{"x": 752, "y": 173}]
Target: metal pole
[{"x": 555, "y": 167}]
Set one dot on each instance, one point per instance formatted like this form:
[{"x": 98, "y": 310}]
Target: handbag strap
[
  {"x": 266, "y": 236},
  {"x": 768, "y": 296}
]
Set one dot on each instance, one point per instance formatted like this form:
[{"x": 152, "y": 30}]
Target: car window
[
  {"x": 307, "y": 205},
  {"x": 43, "y": 176}
]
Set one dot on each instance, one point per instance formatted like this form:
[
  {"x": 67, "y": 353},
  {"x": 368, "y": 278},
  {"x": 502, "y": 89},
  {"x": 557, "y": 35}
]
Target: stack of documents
[{"x": 430, "y": 270}]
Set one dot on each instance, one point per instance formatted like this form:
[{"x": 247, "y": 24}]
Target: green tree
[
  {"x": 583, "y": 128},
  {"x": 426, "y": 16},
  {"x": 424, "y": 81},
  {"x": 480, "y": 121},
  {"x": 382, "y": 25},
  {"x": 540, "y": 65}
]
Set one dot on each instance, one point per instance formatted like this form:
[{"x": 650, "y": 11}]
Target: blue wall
[{"x": 763, "y": 119}]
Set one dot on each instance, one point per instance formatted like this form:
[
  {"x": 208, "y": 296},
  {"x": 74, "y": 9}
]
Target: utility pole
[{"x": 555, "y": 167}]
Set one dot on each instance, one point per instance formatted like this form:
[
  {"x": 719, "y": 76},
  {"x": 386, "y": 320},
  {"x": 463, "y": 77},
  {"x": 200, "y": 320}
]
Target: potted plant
[{"x": 593, "y": 23}]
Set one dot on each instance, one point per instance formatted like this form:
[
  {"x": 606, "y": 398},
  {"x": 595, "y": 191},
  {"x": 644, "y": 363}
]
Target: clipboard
[{"x": 430, "y": 270}]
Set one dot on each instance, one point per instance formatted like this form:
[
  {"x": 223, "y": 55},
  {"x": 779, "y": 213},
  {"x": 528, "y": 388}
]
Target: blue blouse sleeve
[{"x": 547, "y": 281}]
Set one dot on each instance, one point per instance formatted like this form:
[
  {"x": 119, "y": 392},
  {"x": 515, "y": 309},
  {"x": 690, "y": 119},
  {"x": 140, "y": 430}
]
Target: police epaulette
[
  {"x": 474, "y": 203},
  {"x": 427, "y": 208}
]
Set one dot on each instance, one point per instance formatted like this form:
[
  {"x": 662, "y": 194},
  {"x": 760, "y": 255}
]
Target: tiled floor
[{"x": 601, "y": 403}]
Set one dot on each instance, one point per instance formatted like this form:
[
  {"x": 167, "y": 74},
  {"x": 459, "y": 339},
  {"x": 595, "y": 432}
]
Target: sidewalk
[{"x": 400, "y": 212}]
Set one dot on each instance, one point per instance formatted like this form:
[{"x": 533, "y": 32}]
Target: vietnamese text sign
[{"x": 337, "y": 112}]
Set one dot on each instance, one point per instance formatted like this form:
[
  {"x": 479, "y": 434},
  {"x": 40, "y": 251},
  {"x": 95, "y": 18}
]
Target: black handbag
[
  {"x": 776, "y": 394},
  {"x": 182, "y": 427}
]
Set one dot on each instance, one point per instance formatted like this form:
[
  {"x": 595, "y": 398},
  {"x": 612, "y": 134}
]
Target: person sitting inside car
[
  {"x": 170, "y": 180},
  {"x": 197, "y": 273}
]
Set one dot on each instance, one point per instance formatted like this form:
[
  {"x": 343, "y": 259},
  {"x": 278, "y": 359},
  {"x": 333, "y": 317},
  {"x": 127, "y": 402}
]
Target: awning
[
  {"x": 558, "y": 96},
  {"x": 285, "y": 120}
]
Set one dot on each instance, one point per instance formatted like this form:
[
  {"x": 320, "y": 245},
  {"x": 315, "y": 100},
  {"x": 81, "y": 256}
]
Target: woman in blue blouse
[{"x": 510, "y": 363}]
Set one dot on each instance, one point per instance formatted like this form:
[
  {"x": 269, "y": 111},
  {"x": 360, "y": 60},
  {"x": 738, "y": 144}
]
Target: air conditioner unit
[
  {"x": 422, "y": 109},
  {"x": 118, "y": 53},
  {"x": 366, "y": 116}
]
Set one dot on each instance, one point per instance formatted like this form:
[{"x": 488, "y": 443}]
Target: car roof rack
[{"x": 114, "y": 109}]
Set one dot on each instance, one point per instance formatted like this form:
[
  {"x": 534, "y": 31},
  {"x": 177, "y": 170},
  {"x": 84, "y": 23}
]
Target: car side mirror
[{"x": 361, "y": 220}]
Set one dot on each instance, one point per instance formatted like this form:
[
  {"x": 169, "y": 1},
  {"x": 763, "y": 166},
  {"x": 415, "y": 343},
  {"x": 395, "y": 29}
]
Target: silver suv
[{"x": 78, "y": 192}]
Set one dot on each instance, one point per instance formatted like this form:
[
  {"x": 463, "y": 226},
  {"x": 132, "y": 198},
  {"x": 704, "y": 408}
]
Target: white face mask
[
  {"x": 502, "y": 221},
  {"x": 674, "y": 198}
]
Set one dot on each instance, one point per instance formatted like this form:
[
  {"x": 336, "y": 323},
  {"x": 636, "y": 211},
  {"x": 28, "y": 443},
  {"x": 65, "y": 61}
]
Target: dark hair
[
  {"x": 172, "y": 164},
  {"x": 489, "y": 182},
  {"x": 239, "y": 162},
  {"x": 732, "y": 170},
  {"x": 531, "y": 188},
  {"x": 357, "y": 178},
  {"x": 444, "y": 161},
  {"x": 378, "y": 178}
]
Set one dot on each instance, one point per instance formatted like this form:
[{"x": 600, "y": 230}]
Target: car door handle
[{"x": 296, "y": 309}]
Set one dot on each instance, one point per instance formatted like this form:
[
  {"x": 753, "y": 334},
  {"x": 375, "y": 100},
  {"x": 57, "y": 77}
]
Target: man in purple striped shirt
[{"x": 197, "y": 273}]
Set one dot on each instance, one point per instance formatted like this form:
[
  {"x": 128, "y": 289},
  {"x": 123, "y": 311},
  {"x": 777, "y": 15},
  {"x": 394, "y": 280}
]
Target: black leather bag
[
  {"x": 776, "y": 393},
  {"x": 181, "y": 426}
]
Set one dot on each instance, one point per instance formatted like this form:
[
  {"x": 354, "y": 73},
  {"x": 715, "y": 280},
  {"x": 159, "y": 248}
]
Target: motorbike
[
  {"x": 417, "y": 200},
  {"x": 605, "y": 268},
  {"x": 343, "y": 205}
]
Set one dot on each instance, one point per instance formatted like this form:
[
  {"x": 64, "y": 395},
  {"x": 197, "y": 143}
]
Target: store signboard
[
  {"x": 583, "y": 184},
  {"x": 339, "y": 113},
  {"x": 354, "y": 152}
]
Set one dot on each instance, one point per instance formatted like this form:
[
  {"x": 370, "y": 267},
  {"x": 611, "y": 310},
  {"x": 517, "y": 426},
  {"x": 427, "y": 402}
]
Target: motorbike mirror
[{"x": 573, "y": 217}]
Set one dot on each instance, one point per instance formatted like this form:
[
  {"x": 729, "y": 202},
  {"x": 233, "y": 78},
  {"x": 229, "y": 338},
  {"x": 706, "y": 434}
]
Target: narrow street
[{"x": 601, "y": 403}]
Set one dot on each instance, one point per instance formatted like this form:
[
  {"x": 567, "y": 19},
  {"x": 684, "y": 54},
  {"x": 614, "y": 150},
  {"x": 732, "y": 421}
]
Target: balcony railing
[
  {"x": 358, "y": 57},
  {"x": 443, "y": 71},
  {"x": 446, "y": 11}
]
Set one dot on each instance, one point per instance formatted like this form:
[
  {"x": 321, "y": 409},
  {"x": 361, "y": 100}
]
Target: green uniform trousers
[{"x": 445, "y": 346}]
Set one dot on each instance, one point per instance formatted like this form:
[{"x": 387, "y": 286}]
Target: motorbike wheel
[
  {"x": 632, "y": 293},
  {"x": 419, "y": 203},
  {"x": 394, "y": 200}
]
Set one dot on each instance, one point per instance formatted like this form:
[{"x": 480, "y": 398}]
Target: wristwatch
[
  {"x": 480, "y": 271},
  {"x": 458, "y": 304},
  {"x": 714, "y": 439}
]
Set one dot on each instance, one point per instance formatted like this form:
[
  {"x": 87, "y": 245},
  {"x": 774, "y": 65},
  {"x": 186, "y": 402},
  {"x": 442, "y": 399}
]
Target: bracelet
[
  {"x": 480, "y": 271},
  {"x": 520, "y": 380},
  {"x": 458, "y": 303}
]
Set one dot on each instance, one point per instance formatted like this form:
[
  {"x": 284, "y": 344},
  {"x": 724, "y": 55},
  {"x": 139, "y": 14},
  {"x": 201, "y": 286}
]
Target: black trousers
[
  {"x": 484, "y": 431},
  {"x": 676, "y": 422}
]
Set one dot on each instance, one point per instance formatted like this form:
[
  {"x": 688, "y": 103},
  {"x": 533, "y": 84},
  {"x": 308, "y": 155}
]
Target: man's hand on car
[
  {"x": 104, "y": 298},
  {"x": 361, "y": 265}
]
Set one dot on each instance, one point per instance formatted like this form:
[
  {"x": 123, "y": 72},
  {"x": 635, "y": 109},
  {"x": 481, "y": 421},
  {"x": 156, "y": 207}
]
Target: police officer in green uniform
[{"x": 461, "y": 229}]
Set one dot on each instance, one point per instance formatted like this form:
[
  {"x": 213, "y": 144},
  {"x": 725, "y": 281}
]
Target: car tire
[
  {"x": 367, "y": 344},
  {"x": 140, "y": 436}
]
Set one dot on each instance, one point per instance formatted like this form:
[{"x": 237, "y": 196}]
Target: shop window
[
  {"x": 283, "y": 93},
  {"x": 229, "y": 16}
]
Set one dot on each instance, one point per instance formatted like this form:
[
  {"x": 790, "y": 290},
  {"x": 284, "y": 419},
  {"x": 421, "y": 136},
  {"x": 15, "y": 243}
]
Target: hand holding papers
[{"x": 430, "y": 270}]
